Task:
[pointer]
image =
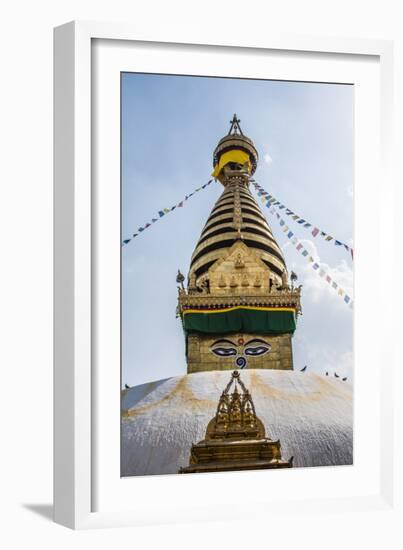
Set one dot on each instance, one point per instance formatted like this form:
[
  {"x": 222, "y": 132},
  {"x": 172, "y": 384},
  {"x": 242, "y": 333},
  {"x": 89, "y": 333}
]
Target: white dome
[{"x": 312, "y": 415}]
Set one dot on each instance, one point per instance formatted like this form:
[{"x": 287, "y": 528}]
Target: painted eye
[
  {"x": 224, "y": 352},
  {"x": 258, "y": 350}
]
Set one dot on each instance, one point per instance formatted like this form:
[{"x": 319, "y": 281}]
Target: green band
[{"x": 241, "y": 320}]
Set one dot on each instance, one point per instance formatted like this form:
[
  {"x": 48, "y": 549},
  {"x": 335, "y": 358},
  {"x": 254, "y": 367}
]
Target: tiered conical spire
[{"x": 236, "y": 215}]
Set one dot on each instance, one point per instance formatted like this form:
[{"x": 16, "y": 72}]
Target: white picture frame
[{"x": 77, "y": 390}]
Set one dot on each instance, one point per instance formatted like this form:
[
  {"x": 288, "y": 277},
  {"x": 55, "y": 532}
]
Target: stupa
[{"x": 239, "y": 310}]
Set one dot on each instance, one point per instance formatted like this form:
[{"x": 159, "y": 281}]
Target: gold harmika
[{"x": 235, "y": 438}]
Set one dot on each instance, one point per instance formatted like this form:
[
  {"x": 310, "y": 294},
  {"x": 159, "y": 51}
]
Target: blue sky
[{"x": 170, "y": 127}]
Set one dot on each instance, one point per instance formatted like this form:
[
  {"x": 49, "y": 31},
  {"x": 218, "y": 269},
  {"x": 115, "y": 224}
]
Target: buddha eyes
[
  {"x": 224, "y": 352},
  {"x": 254, "y": 348},
  {"x": 257, "y": 350}
]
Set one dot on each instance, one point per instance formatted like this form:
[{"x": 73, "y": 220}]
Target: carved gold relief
[{"x": 235, "y": 437}]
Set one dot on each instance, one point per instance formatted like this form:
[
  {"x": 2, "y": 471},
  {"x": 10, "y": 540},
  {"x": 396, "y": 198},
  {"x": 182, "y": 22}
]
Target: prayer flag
[
  {"x": 301, "y": 221},
  {"x": 166, "y": 210},
  {"x": 322, "y": 273},
  {"x": 154, "y": 220},
  {"x": 315, "y": 266},
  {"x": 307, "y": 225},
  {"x": 329, "y": 238},
  {"x": 282, "y": 222},
  {"x": 334, "y": 285},
  {"x": 290, "y": 234},
  {"x": 295, "y": 217},
  {"x": 161, "y": 213},
  {"x": 337, "y": 243},
  {"x": 315, "y": 231},
  {"x": 299, "y": 246},
  {"x": 304, "y": 252},
  {"x": 328, "y": 279},
  {"x": 341, "y": 292},
  {"x": 127, "y": 241},
  {"x": 180, "y": 204},
  {"x": 347, "y": 299}
]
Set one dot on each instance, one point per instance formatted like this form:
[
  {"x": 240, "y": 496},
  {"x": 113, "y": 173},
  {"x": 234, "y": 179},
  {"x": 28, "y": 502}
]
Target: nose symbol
[{"x": 240, "y": 362}]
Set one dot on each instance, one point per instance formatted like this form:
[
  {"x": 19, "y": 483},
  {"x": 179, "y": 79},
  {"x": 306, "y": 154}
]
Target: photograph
[{"x": 237, "y": 254}]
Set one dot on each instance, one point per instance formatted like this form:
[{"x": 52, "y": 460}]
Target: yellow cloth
[{"x": 235, "y": 155}]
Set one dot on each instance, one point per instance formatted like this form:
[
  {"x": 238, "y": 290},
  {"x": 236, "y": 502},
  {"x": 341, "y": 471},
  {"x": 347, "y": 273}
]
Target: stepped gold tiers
[
  {"x": 235, "y": 437},
  {"x": 238, "y": 281}
]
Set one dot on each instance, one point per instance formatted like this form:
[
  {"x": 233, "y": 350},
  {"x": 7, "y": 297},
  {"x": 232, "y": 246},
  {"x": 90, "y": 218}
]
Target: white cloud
[
  {"x": 267, "y": 158},
  {"x": 323, "y": 339},
  {"x": 315, "y": 287}
]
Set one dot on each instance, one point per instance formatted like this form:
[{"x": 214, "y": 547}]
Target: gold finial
[{"x": 235, "y": 127}]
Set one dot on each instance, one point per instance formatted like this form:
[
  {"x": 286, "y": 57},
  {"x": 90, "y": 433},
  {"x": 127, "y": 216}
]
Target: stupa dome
[{"x": 311, "y": 414}]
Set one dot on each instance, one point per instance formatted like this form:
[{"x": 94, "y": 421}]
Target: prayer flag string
[
  {"x": 162, "y": 213},
  {"x": 314, "y": 265},
  {"x": 272, "y": 201}
]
